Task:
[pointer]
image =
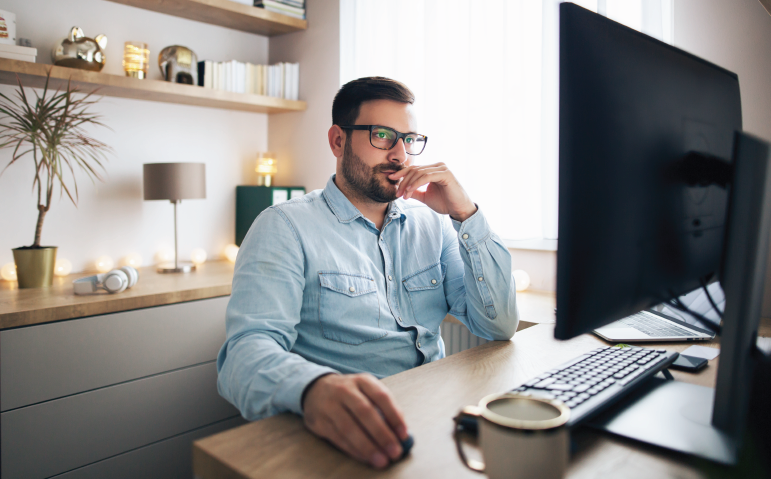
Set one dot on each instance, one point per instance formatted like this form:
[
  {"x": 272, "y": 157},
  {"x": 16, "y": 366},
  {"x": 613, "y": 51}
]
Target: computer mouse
[{"x": 407, "y": 446}]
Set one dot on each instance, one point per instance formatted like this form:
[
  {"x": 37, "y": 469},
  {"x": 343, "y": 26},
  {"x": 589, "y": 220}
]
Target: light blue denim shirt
[{"x": 318, "y": 289}]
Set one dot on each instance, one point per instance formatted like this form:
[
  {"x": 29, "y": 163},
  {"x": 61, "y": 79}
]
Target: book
[
  {"x": 282, "y": 8},
  {"x": 291, "y": 3},
  {"x": 17, "y": 56},
  {"x": 280, "y": 80},
  {"x": 29, "y": 51}
]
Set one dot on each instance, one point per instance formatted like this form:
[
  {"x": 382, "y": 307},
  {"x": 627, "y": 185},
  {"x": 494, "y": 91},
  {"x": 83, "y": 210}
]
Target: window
[{"x": 485, "y": 77}]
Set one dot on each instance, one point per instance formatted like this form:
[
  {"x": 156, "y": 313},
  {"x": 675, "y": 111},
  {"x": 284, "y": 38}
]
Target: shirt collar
[{"x": 344, "y": 210}]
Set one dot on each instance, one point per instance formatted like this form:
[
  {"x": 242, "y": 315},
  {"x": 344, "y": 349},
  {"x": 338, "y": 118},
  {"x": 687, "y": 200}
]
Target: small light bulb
[
  {"x": 134, "y": 260},
  {"x": 521, "y": 279},
  {"x": 231, "y": 252},
  {"x": 104, "y": 264},
  {"x": 165, "y": 255},
  {"x": 8, "y": 272},
  {"x": 63, "y": 267},
  {"x": 198, "y": 256}
]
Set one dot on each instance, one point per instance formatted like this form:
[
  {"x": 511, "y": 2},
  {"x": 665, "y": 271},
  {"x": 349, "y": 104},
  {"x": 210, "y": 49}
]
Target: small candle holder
[
  {"x": 136, "y": 59},
  {"x": 267, "y": 166}
]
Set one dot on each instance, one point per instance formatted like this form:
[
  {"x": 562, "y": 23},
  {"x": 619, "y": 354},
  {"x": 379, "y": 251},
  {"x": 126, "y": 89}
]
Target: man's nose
[{"x": 399, "y": 152}]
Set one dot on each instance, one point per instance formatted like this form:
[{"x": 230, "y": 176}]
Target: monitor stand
[
  {"x": 671, "y": 414},
  {"x": 702, "y": 421}
]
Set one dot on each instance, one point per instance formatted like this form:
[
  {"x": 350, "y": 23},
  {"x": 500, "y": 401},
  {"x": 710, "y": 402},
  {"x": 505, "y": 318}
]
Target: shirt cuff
[
  {"x": 472, "y": 231},
  {"x": 290, "y": 392}
]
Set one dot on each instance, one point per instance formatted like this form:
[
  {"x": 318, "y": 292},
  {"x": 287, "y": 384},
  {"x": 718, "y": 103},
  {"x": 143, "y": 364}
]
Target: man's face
[{"x": 365, "y": 168}]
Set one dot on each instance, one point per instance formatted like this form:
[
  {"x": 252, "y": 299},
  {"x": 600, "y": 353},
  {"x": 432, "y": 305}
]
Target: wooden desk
[{"x": 430, "y": 396}]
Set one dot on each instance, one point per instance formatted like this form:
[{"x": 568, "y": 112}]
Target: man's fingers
[
  {"x": 423, "y": 179},
  {"x": 381, "y": 397},
  {"x": 365, "y": 413},
  {"x": 417, "y": 178},
  {"x": 348, "y": 426}
]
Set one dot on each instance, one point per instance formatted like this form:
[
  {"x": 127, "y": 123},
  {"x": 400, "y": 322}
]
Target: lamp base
[{"x": 181, "y": 267}]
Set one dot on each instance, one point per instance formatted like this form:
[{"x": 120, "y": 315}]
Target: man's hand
[
  {"x": 357, "y": 414},
  {"x": 444, "y": 194}
]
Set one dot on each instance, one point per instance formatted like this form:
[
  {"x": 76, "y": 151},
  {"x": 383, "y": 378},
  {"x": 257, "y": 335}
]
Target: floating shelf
[
  {"x": 34, "y": 75},
  {"x": 225, "y": 14}
]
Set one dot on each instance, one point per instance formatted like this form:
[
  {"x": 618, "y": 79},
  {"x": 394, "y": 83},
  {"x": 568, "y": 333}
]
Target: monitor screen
[{"x": 631, "y": 107}]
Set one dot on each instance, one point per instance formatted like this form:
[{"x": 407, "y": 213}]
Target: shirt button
[
  {"x": 465, "y": 236},
  {"x": 480, "y": 278},
  {"x": 399, "y": 319},
  {"x": 353, "y": 290},
  {"x": 418, "y": 343},
  {"x": 433, "y": 281},
  {"x": 390, "y": 278}
]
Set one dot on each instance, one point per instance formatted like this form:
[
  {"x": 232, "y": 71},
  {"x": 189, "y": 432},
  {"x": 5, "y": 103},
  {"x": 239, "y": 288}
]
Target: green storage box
[{"x": 252, "y": 200}]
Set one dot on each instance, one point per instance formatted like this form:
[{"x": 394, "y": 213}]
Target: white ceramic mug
[{"x": 521, "y": 437}]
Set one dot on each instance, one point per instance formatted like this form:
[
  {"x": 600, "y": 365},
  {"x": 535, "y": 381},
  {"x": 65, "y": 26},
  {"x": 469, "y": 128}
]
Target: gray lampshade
[{"x": 174, "y": 181}]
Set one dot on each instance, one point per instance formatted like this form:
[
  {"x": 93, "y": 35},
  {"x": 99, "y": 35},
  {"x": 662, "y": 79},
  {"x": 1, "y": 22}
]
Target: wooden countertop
[
  {"x": 25, "y": 307},
  {"x": 430, "y": 396}
]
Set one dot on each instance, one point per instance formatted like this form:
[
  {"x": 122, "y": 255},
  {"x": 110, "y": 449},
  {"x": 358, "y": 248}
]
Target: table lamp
[{"x": 175, "y": 182}]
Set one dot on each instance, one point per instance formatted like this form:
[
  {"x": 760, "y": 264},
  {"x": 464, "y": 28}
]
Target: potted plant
[{"x": 49, "y": 129}]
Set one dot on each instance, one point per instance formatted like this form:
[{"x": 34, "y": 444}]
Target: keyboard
[
  {"x": 597, "y": 379},
  {"x": 655, "y": 327}
]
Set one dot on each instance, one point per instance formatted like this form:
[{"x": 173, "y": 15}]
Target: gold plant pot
[{"x": 35, "y": 266}]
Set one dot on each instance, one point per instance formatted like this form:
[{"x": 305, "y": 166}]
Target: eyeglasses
[{"x": 384, "y": 138}]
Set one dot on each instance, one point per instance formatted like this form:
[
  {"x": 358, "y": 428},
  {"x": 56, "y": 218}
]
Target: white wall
[
  {"x": 111, "y": 217},
  {"x": 300, "y": 139},
  {"x": 736, "y": 35}
]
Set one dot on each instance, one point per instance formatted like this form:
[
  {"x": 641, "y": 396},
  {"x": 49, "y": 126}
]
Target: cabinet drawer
[
  {"x": 170, "y": 458},
  {"x": 51, "y": 361},
  {"x": 60, "y": 435}
]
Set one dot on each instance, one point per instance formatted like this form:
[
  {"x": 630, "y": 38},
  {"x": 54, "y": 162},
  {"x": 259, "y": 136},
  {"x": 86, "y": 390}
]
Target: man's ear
[{"x": 336, "y": 140}]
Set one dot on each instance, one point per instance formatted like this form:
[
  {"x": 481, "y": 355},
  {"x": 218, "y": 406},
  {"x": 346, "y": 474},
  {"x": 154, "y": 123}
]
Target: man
[{"x": 352, "y": 282}]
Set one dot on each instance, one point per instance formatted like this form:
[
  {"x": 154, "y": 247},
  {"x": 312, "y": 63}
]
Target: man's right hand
[{"x": 357, "y": 414}]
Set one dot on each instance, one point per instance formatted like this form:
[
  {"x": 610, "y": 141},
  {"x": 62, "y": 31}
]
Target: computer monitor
[
  {"x": 659, "y": 190},
  {"x": 631, "y": 107}
]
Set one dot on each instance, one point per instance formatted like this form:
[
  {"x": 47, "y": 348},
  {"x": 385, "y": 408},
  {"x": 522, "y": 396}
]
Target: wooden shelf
[
  {"x": 34, "y": 75},
  {"x": 225, "y": 14}
]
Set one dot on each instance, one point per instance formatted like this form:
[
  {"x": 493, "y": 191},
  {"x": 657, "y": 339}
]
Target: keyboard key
[
  {"x": 533, "y": 381},
  {"x": 544, "y": 383},
  {"x": 583, "y": 396},
  {"x": 559, "y": 387},
  {"x": 581, "y": 388},
  {"x": 571, "y": 404}
]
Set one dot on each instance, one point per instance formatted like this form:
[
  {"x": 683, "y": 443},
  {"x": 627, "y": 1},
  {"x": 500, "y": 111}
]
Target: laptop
[{"x": 652, "y": 326}]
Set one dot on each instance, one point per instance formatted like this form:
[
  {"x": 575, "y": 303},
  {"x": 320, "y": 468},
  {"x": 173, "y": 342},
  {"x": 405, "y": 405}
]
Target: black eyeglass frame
[{"x": 396, "y": 140}]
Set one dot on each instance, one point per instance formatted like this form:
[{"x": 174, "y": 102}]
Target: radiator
[{"x": 458, "y": 338}]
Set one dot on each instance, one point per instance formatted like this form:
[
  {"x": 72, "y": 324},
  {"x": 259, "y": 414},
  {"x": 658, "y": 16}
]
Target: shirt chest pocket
[
  {"x": 425, "y": 289},
  {"x": 349, "y": 311}
]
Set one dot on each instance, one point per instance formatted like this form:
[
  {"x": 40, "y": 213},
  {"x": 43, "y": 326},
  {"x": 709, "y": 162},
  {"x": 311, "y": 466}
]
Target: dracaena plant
[{"x": 51, "y": 130}]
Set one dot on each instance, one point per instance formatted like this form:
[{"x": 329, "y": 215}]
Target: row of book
[
  {"x": 281, "y": 80},
  {"x": 293, "y": 8}
]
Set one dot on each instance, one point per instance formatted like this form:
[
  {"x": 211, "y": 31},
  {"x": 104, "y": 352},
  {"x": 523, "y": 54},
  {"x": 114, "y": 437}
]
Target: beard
[{"x": 365, "y": 181}]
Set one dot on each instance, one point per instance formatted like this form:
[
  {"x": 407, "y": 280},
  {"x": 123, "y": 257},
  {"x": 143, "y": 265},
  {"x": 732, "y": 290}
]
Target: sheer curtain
[{"x": 485, "y": 75}]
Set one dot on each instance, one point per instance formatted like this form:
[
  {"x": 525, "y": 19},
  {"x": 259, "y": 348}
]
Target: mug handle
[{"x": 467, "y": 413}]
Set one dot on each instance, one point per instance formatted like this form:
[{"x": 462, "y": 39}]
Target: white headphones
[{"x": 116, "y": 281}]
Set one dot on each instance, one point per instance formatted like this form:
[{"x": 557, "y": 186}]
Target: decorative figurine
[
  {"x": 179, "y": 65},
  {"x": 79, "y": 51}
]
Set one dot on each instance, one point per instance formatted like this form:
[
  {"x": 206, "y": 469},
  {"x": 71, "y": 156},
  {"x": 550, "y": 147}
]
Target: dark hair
[{"x": 345, "y": 107}]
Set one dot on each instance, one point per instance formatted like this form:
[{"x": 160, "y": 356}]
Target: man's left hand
[{"x": 444, "y": 194}]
